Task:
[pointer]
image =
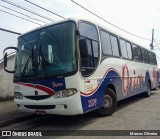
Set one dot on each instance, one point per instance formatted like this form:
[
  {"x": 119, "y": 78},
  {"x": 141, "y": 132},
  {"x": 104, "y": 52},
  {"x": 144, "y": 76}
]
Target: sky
[{"x": 135, "y": 16}]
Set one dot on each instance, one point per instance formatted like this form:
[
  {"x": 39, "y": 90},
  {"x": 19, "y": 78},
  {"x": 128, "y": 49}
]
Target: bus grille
[
  {"x": 40, "y": 106},
  {"x": 38, "y": 97}
]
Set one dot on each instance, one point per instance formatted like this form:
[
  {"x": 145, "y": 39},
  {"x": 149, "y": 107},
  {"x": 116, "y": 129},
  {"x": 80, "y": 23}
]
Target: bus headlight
[
  {"x": 65, "y": 93},
  {"x": 18, "y": 95}
]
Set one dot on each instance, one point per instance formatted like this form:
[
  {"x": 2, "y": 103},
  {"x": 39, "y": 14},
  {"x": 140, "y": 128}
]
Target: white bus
[{"x": 75, "y": 66}]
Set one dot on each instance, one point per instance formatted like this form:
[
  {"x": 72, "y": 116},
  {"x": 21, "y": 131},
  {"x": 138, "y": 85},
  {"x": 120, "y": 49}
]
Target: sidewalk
[
  {"x": 8, "y": 111},
  {"x": 7, "y": 106}
]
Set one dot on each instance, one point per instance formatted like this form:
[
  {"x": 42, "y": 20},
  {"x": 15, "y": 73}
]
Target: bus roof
[{"x": 90, "y": 21}]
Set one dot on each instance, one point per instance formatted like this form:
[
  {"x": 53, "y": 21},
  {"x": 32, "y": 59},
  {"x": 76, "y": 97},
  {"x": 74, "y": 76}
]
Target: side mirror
[
  {"x": 6, "y": 58},
  {"x": 83, "y": 48}
]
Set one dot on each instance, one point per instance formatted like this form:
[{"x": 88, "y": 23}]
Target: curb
[{"x": 6, "y": 99}]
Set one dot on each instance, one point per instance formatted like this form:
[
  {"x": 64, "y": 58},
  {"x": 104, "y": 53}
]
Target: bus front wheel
[{"x": 110, "y": 103}]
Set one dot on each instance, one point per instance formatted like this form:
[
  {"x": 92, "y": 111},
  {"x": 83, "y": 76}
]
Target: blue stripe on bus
[{"x": 96, "y": 100}]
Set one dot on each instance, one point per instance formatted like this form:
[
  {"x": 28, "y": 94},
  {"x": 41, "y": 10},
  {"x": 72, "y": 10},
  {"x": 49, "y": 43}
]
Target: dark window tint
[
  {"x": 88, "y": 31},
  {"x": 90, "y": 62},
  {"x": 114, "y": 43},
  {"x": 54, "y": 55},
  {"x": 57, "y": 49},
  {"x": 89, "y": 48},
  {"x": 27, "y": 46},
  {"x": 155, "y": 60},
  {"x": 151, "y": 57},
  {"x": 137, "y": 53},
  {"x": 129, "y": 50},
  {"x": 106, "y": 45},
  {"x": 145, "y": 55},
  {"x": 123, "y": 48},
  {"x": 95, "y": 52}
]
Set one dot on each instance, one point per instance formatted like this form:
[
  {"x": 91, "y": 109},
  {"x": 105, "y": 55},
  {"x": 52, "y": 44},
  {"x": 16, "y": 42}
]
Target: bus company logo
[
  {"x": 125, "y": 79},
  {"x": 54, "y": 84},
  {"x": 154, "y": 73}
]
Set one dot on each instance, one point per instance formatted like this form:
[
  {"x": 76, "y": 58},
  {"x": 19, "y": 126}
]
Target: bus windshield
[{"x": 47, "y": 51}]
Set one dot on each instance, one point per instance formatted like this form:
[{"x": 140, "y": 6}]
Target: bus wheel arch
[
  {"x": 110, "y": 102},
  {"x": 111, "y": 86}
]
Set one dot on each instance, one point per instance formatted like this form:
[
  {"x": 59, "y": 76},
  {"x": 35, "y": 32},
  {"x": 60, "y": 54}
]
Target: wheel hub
[{"x": 107, "y": 101}]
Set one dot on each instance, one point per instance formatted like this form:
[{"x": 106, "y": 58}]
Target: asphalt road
[{"x": 136, "y": 113}]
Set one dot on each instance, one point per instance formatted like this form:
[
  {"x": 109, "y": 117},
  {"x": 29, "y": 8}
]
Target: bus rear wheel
[
  {"x": 148, "y": 92},
  {"x": 110, "y": 103}
]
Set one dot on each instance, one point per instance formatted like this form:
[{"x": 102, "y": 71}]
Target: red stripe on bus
[
  {"x": 101, "y": 82},
  {"x": 40, "y": 87}
]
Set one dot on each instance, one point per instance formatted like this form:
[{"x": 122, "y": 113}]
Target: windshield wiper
[{"x": 25, "y": 67}]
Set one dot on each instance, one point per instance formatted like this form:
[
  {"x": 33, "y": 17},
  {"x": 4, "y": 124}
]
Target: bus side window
[
  {"x": 95, "y": 52},
  {"x": 123, "y": 48},
  {"x": 129, "y": 50},
  {"x": 151, "y": 58},
  {"x": 89, "y": 60},
  {"x": 106, "y": 44},
  {"x": 145, "y": 55},
  {"x": 114, "y": 43},
  {"x": 155, "y": 60},
  {"x": 137, "y": 53}
]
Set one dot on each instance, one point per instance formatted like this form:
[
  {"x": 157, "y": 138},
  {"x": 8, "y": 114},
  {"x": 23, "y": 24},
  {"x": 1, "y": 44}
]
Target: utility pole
[{"x": 151, "y": 45}]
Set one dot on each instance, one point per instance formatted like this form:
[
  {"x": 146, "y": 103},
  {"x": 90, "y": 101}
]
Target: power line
[
  {"x": 107, "y": 9},
  {"x": 91, "y": 6},
  {"x": 23, "y": 14},
  {"x": 44, "y": 9},
  {"x": 10, "y": 31},
  {"x": 158, "y": 56},
  {"x": 157, "y": 46},
  {"x": 19, "y": 17},
  {"x": 109, "y": 22},
  {"x": 28, "y": 10}
]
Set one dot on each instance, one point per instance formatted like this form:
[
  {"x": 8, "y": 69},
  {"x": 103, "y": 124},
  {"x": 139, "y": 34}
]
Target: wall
[{"x": 6, "y": 79}]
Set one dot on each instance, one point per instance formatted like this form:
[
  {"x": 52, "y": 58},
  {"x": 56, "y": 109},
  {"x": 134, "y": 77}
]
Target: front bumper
[{"x": 61, "y": 106}]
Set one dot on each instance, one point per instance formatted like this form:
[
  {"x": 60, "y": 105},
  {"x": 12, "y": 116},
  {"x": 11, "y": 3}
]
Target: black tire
[
  {"x": 148, "y": 92},
  {"x": 110, "y": 103}
]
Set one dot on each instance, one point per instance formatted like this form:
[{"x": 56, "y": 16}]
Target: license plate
[{"x": 41, "y": 112}]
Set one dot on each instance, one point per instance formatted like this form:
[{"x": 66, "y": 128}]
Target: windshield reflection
[{"x": 46, "y": 52}]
